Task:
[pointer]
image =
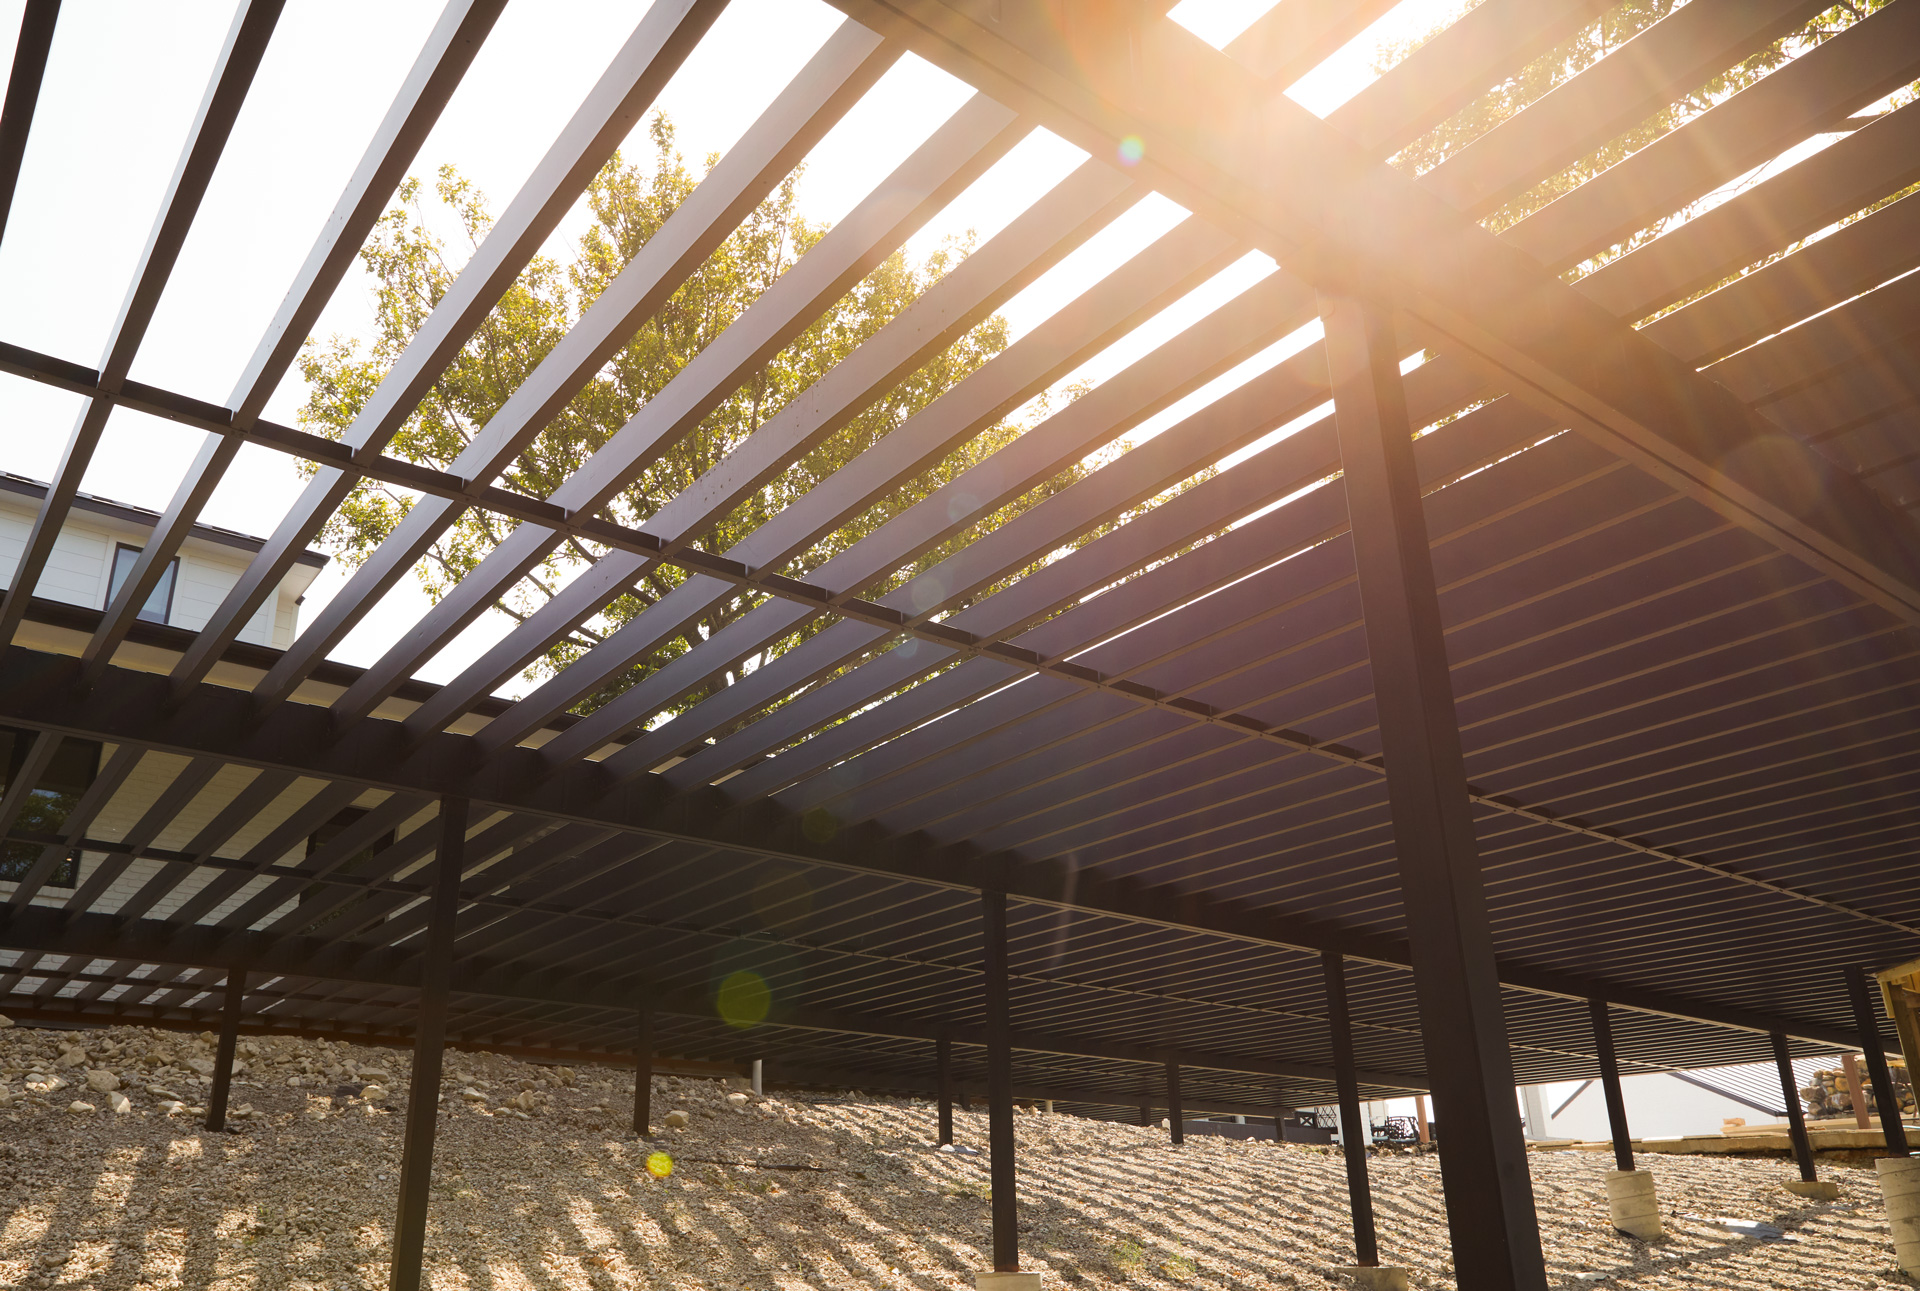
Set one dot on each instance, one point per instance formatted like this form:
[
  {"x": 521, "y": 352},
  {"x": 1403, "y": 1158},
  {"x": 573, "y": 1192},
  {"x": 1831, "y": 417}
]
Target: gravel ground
[{"x": 785, "y": 1192}]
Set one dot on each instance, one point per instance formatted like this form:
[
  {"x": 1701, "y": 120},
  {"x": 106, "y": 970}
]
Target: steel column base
[
  {"x": 1374, "y": 1278},
  {"x": 1818, "y": 1189}
]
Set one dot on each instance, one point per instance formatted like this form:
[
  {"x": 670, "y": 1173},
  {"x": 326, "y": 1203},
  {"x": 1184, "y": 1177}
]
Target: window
[
  {"x": 159, "y": 606},
  {"x": 69, "y": 774},
  {"x": 360, "y": 864}
]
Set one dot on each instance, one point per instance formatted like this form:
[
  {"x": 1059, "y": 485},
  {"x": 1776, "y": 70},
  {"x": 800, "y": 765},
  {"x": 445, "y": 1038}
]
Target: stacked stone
[{"x": 1827, "y": 1095}]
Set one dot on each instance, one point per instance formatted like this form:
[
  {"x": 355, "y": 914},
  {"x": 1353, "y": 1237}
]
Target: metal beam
[
  {"x": 830, "y": 84},
  {"x": 1490, "y": 1214},
  {"x": 1293, "y": 186},
  {"x": 437, "y": 71},
  {"x": 153, "y": 941},
  {"x": 130, "y": 707},
  {"x": 29, "y": 69},
  {"x": 233, "y": 72},
  {"x": 611, "y": 110}
]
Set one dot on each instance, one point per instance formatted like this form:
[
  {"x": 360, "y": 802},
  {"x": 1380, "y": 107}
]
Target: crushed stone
[{"x": 539, "y": 1185}]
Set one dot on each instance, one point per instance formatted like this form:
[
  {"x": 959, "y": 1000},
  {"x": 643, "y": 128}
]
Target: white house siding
[{"x": 81, "y": 564}]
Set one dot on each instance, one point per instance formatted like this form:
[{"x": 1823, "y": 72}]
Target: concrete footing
[
  {"x": 1631, "y": 1203},
  {"x": 1370, "y": 1278},
  {"x": 1006, "y": 1282},
  {"x": 1900, "y": 1185},
  {"x": 1818, "y": 1189}
]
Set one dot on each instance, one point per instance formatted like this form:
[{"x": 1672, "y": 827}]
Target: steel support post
[
  {"x": 643, "y": 1074},
  {"x": 223, "y": 1056},
  {"x": 1490, "y": 1213},
  {"x": 1610, "y": 1085},
  {"x": 1146, "y": 1114},
  {"x": 1796, "y": 1116},
  {"x": 1420, "y": 1118},
  {"x": 423, "y": 1094},
  {"x": 1355, "y": 1133},
  {"x": 943, "y": 1074},
  {"x": 1006, "y": 1217},
  {"x": 1176, "y": 1114},
  {"x": 1868, "y": 1021}
]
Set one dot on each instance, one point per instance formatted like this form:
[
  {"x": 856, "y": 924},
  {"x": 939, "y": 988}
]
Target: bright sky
[{"x": 126, "y": 76}]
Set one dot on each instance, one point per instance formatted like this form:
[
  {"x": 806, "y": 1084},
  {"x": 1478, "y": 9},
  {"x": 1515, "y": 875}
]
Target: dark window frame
[{"x": 171, "y": 579}]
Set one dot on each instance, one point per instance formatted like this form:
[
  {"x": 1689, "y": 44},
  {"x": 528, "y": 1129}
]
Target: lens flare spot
[
  {"x": 819, "y": 826},
  {"x": 659, "y": 1164},
  {"x": 1131, "y": 150},
  {"x": 744, "y": 999}
]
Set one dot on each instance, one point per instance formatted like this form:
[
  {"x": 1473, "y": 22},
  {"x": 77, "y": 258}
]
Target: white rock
[
  {"x": 104, "y": 1082},
  {"x": 79, "y": 1108},
  {"x": 5, "y": 1022},
  {"x": 173, "y": 1105},
  {"x": 523, "y": 1100},
  {"x": 200, "y": 1066},
  {"x": 71, "y": 1058},
  {"x": 374, "y": 1093},
  {"x": 677, "y": 1120},
  {"x": 473, "y": 1095},
  {"x": 120, "y": 1103},
  {"x": 738, "y": 1100}
]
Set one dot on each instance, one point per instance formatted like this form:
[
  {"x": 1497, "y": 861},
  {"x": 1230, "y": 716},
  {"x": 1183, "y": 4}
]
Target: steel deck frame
[{"x": 1668, "y": 499}]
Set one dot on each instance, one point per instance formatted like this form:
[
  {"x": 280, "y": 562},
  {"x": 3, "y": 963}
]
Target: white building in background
[
  {"x": 96, "y": 549},
  {"x": 91, "y": 557},
  {"x": 1673, "y": 1104}
]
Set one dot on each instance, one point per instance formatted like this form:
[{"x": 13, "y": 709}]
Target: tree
[{"x": 627, "y": 205}]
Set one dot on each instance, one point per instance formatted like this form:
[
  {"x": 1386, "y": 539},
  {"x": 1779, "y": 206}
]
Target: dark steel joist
[
  {"x": 820, "y": 95},
  {"x": 1811, "y": 93},
  {"x": 1293, "y": 186},
  {"x": 1456, "y": 65},
  {"x": 944, "y": 166},
  {"x": 131, "y": 707},
  {"x": 437, "y": 71},
  {"x": 661, "y": 41},
  {"x": 1659, "y": 65},
  {"x": 98, "y": 936},
  {"x": 29, "y": 70},
  {"x": 233, "y": 71}
]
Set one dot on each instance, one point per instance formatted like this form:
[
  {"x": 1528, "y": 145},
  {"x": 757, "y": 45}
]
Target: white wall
[{"x": 1658, "y": 1107}]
